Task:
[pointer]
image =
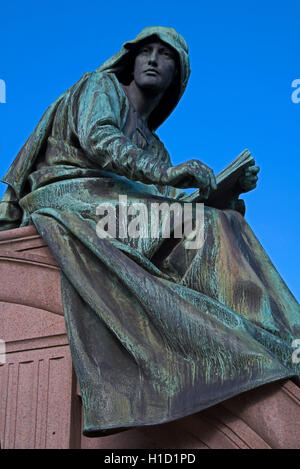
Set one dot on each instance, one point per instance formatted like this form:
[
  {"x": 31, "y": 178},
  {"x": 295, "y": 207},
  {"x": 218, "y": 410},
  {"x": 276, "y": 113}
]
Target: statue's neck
[{"x": 144, "y": 101}]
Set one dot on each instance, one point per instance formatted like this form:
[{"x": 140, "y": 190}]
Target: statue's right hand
[{"x": 192, "y": 174}]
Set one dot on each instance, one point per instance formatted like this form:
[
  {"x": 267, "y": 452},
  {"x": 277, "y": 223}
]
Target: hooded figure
[{"x": 156, "y": 331}]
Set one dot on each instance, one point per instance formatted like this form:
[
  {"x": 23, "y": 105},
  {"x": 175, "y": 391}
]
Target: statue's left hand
[{"x": 247, "y": 182}]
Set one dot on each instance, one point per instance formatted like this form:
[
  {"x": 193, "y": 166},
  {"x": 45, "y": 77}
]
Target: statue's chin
[{"x": 151, "y": 87}]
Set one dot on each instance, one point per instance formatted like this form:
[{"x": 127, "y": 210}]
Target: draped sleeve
[{"x": 98, "y": 125}]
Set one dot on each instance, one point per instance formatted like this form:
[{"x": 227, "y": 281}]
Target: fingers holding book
[{"x": 249, "y": 178}]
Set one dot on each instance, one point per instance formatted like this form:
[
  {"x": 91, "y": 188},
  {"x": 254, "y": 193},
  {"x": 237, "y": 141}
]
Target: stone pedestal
[
  {"x": 40, "y": 406},
  {"x": 37, "y": 384}
]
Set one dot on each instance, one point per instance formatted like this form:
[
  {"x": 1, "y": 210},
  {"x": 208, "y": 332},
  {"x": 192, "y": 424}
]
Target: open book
[{"x": 226, "y": 179}]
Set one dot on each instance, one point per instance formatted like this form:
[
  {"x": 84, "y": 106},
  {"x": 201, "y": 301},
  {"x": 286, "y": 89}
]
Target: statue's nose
[{"x": 153, "y": 58}]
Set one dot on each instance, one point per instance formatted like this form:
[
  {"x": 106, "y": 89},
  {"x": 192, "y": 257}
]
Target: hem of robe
[{"x": 97, "y": 431}]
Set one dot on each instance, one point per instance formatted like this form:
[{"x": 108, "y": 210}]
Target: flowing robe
[{"x": 156, "y": 331}]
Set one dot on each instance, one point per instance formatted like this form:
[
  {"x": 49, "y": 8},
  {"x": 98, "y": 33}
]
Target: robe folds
[{"x": 157, "y": 331}]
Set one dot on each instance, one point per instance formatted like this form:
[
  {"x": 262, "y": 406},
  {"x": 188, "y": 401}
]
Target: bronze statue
[{"x": 157, "y": 331}]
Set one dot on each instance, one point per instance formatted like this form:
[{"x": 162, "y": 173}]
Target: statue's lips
[{"x": 151, "y": 71}]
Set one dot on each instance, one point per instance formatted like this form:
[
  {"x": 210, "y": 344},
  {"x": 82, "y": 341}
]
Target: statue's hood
[{"x": 122, "y": 65}]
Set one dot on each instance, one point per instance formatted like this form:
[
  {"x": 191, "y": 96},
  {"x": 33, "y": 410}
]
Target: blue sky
[{"x": 244, "y": 58}]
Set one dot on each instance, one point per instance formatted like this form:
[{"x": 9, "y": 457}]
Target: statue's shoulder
[
  {"x": 102, "y": 80},
  {"x": 93, "y": 84}
]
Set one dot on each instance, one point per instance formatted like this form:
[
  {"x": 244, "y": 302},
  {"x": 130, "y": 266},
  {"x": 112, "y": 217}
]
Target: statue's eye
[
  {"x": 144, "y": 50},
  {"x": 167, "y": 53}
]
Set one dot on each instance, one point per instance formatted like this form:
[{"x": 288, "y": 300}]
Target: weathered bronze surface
[{"x": 157, "y": 331}]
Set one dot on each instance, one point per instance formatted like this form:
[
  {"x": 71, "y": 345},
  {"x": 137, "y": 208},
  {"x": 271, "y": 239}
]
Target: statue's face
[{"x": 155, "y": 66}]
